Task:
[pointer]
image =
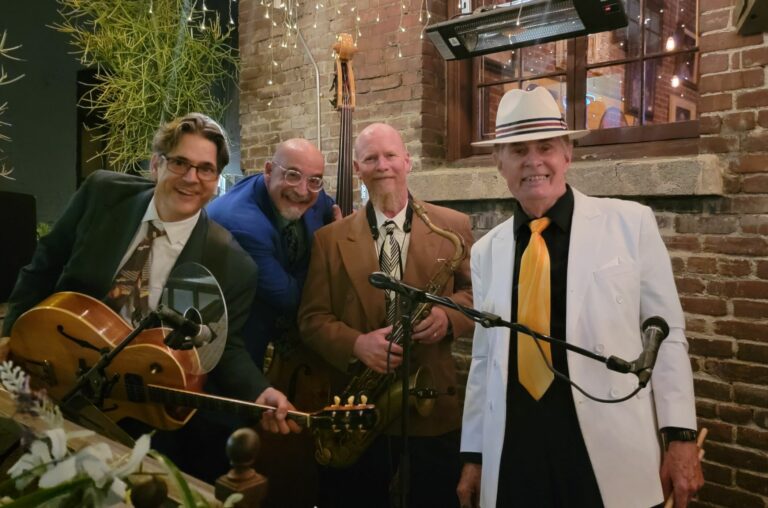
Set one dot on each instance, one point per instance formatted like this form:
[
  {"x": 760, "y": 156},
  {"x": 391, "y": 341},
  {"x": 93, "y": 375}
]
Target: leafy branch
[
  {"x": 5, "y": 52},
  {"x": 150, "y": 68}
]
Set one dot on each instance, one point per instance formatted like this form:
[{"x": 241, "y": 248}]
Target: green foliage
[
  {"x": 5, "y": 79},
  {"x": 151, "y": 67}
]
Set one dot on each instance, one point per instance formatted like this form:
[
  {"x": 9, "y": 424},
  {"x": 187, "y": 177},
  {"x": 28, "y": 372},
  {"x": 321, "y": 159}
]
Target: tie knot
[
  {"x": 539, "y": 225},
  {"x": 153, "y": 231},
  {"x": 389, "y": 227}
]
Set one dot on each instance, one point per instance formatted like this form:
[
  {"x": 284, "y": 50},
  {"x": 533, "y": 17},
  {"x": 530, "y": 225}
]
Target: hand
[
  {"x": 681, "y": 472},
  {"x": 336, "y": 210},
  {"x": 274, "y": 421},
  {"x": 468, "y": 489},
  {"x": 5, "y": 348},
  {"x": 432, "y": 328},
  {"x": 372, "y": 349}
]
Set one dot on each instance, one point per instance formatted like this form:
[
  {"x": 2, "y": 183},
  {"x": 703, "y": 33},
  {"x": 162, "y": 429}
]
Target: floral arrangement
[{"x": 49, "y": 474}]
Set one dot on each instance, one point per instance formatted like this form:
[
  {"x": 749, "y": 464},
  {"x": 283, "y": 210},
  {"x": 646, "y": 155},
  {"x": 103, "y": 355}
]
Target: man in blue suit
[{"x": 274, "y": 216}]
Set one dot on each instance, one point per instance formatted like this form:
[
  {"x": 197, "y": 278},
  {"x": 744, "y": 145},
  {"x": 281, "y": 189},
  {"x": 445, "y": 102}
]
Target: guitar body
[{"x": 64, "y": 335}]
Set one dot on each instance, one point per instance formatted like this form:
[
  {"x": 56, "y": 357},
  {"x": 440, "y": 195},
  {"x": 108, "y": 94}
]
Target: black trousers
[{"x": 373, "y": 482}]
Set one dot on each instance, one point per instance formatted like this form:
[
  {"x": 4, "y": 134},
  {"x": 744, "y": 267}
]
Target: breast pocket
[{"x": 617, "y": 288}]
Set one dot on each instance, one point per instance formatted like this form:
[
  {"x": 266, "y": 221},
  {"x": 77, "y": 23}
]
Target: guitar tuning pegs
[
  {"x": 363, "y": 399},
  {"x": 351, "y": 400},
  {"x": 336, "y": 400}
]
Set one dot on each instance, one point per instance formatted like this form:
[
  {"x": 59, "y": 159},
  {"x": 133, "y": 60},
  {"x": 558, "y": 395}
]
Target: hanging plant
[
  {"x": 5, "y": 79},
  {"x": 154, "y": 61}
]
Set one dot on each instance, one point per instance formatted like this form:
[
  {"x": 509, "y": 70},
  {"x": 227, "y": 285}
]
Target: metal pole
[{"x": 317, "y": 85}]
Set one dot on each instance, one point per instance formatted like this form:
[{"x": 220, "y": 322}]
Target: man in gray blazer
[
  {"x": 109, "y": 216},
  {"x": 528, "y": 437}
]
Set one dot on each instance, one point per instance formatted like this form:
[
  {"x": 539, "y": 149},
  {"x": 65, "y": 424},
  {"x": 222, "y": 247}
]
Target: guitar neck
[{"x": 176, "y": 397}]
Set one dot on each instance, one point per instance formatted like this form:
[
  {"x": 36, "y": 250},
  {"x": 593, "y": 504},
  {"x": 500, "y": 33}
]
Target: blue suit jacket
[{"x": 247, "y": 212}]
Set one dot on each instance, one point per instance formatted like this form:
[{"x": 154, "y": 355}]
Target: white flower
[
  {"x": 140, "y": 450},
  {"x": 60, "y": 473}
]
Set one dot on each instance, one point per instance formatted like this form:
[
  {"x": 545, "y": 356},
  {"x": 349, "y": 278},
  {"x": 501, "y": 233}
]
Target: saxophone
[{"x": 342, "y": 449}]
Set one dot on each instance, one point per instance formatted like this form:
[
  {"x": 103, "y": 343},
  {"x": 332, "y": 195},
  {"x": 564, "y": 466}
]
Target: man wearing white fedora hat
[{"x": 588, "y": 271}]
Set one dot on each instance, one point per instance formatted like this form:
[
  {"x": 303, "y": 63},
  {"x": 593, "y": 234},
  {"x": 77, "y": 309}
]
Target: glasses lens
[
  {"x": 293, "y": 177},
  {"x": 315, "y": 183},
  {"x": 177, "y": 166},
  {"x": 207, "y": 173}
]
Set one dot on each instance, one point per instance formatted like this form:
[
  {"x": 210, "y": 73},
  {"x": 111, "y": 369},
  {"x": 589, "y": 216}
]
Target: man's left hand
[
  {"x": 681, "y": 472},
  {"x": 432, "y": 328},
  {"x": 275, "y": 421},
  {"x": 337, "y": 215}
]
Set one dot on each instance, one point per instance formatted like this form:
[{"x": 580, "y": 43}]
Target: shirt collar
[
  {"x": 398, "y": 219},
  {"x": 178, "y": 232},
  {"x": 561, "y": 213}
]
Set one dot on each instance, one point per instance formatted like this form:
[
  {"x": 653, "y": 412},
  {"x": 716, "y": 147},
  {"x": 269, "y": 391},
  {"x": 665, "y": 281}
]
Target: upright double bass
[{"x": 344, "y": 102}]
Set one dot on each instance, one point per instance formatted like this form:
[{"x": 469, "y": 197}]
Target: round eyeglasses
[
  {"x": 293, "y": 178},
  {"x": 180, "y": 166}
]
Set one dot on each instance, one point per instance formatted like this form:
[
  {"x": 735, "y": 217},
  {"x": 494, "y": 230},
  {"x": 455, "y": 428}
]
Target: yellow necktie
[{"x": 533, "y": 311}]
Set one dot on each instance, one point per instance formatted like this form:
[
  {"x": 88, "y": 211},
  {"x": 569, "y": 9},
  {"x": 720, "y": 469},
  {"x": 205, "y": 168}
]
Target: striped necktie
[
  {"x": 533, "y": 311},
  {"x": 129, "y": 295},
  {"x": 389, "y": 262}
]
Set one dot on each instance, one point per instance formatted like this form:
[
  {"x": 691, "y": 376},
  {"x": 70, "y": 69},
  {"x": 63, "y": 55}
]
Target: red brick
[
  {"x": 751, "y": 395},
  {"x": 711, "y": 348},
  {"x": 755, "y": 184},
  {"x": 712, "y": 5},
  {"x": 705, "y": 409},
  {"x": 689, "y": 286},
  {"x": 715, "y": 102},
  {"x": 748, "y": 204},
  {"x": 734, "y": 414},
  {"x": 678, "y": 264},
  {"x": 754, "y": 57},
  {"x": 743, "y": 330},
  {"x": 761, "y": 418},
  {"x": 718, "y": 431},
  {"x": 710, "y": 64},
  {"x": 752, "y": 99},
  {"x": 752, "y": 438},
  {"x": 762, "y": 270},
  {"x": 713, "y": 224},
  {"x": 696, "y": 325},
  {"x": 734, "y": 267},
  {"x": 710, "y": 124},
  {"x": 702, "y": 265},
  {"x": 750, "y": 308},
  {"x": 762, "y": 118},
  {"x": 735, "y": 61},
  {"x": 717, "y": 473},
  {"x": 744, "y": 288},
  {"x": 750, "y": 163},
  {"x": 737, "y": 371},
  {"x": 742, "y": 121},
  {"x": 751, "y": 78},
  {"x": 731, "y": 184},
  {"x": 755, "y": 142},
  {"x": 718, "y": 144},
  {"x": 725, "y": 496},
  {"x": 711, "y": 21},
  {"x": 750, "y": 352},
  {"x": 747, "y": 246},
  {"x": 704, "y": 305},
  {"x": 752, "y": 482},
  {"x": 711, "y": 389},
  {"x": 688, "y": 243},
  {"x": 727, "y": 40}
]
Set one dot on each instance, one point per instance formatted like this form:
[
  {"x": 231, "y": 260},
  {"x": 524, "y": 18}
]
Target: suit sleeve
[
  {"x": 672, "y": 377},
  {"x": 475, "y": 397},
  {"x": 320, "y": 329},
  {"x": 236, "y": 375},
  {"x": 37, "y": 280}
]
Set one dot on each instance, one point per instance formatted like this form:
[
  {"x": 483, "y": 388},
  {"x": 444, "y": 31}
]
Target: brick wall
[{"x": 718, "y": 244}]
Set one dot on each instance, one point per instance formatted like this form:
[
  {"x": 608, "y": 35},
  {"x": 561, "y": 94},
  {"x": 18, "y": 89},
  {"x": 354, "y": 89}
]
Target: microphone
[
  {"x": 381, "y": 280},
  {"x": 655, "y": 330},
  {"x": 187, "y": 333}
]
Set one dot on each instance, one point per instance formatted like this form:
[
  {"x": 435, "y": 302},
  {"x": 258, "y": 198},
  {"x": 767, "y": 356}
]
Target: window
[{"x": 628, "y": 85}]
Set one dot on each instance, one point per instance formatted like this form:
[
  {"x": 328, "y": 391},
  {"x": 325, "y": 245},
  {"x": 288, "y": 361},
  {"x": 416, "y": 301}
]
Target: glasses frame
[
  {"x": 183, "y": 162},
  {"x": 304, "y": 177}
]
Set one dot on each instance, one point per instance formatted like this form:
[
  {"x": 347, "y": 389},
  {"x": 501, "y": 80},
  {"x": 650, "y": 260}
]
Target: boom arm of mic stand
[{"x": 488, "y": 320}]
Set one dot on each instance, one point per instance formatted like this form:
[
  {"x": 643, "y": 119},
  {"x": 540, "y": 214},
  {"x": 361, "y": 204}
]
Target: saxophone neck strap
[{"x": 370, "y": 214}]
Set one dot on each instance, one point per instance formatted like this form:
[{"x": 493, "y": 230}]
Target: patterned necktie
[
  {"x": 533, "y": 311},
  {"x": 389, "y": 262},
  {"x": 129, "y": 295},
  {"x": 291, "y": 235}
]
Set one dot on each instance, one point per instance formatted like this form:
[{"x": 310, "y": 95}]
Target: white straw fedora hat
[{"x": 528, "y": 116}]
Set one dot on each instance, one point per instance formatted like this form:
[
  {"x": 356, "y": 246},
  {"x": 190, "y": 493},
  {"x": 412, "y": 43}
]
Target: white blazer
[{"x": 619, "y": 274}]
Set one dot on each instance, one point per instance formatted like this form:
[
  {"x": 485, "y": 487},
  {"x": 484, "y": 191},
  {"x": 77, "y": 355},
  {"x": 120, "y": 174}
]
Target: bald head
[
  {"x": 383, "y": 163},
  {"x": 294, "y": 155}
]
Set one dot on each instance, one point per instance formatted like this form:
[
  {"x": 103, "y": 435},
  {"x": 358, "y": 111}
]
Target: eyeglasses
[
  {"x": 180, "y": 166},
  {"x": 294, "y": 178}
]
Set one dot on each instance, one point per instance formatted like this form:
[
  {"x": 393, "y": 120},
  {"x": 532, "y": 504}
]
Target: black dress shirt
[{"x": 544, "y": 462}]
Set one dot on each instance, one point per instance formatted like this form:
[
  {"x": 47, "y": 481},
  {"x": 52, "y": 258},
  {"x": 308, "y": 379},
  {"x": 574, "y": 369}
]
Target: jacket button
[
  {"x": 599, "y": 348},
  {"x": 619, "y": 300},
  {"x": 490, "y": 405},
  {"x": 614, "y": 393}
]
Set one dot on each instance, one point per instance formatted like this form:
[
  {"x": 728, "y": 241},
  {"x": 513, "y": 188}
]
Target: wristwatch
[{"x": 670, "y": 434}]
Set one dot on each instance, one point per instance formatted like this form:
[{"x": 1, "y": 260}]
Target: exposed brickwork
[{"x": 718, "y": 244}]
